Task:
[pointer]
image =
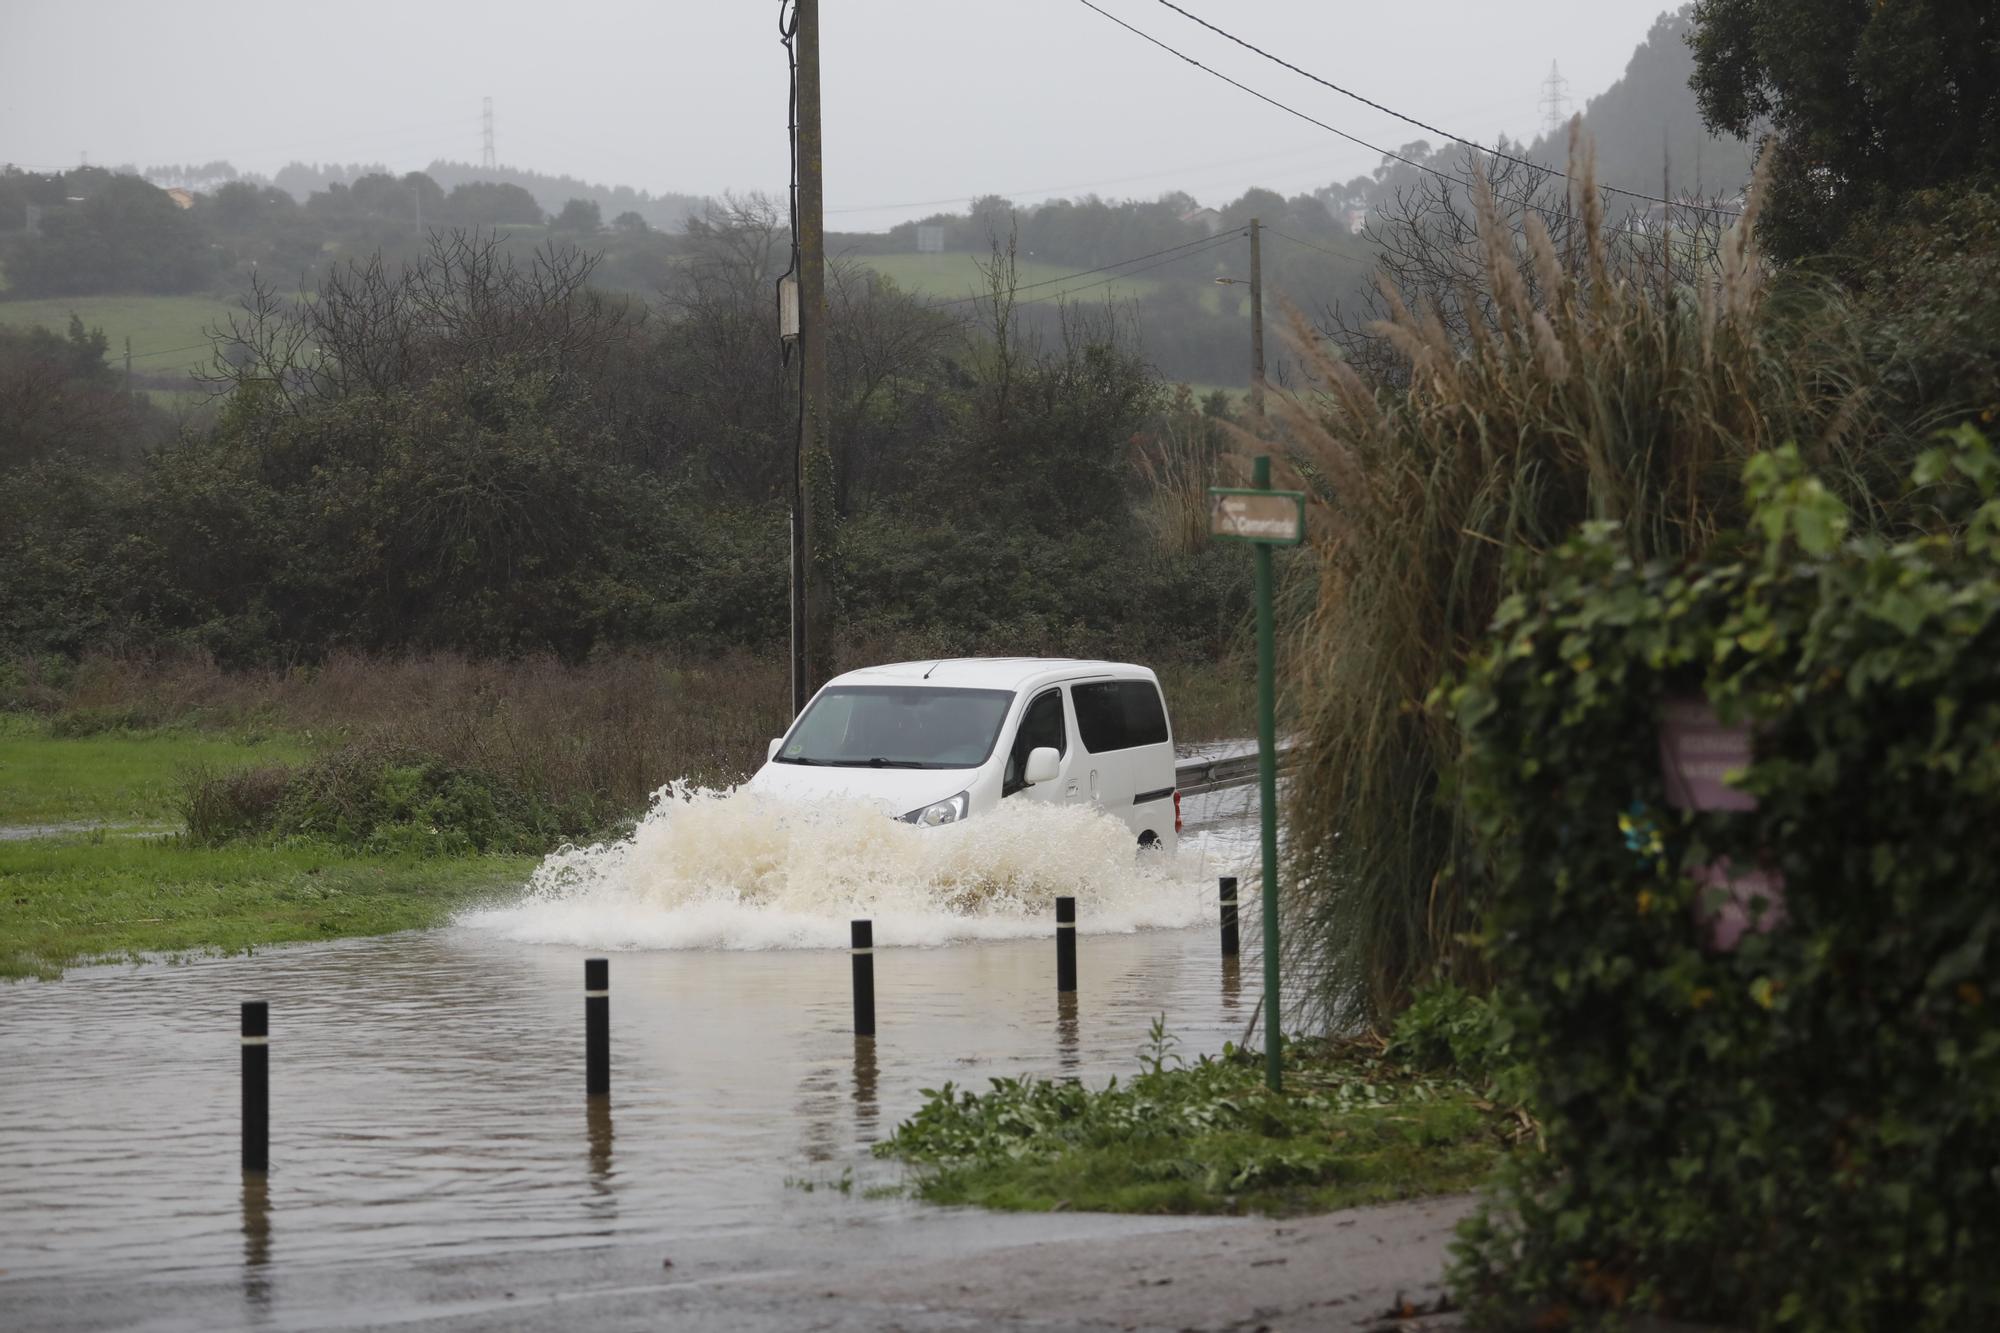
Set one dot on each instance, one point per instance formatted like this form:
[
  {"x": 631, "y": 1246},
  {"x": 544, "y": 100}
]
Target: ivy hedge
[{"x": 1772, "y": 1100}]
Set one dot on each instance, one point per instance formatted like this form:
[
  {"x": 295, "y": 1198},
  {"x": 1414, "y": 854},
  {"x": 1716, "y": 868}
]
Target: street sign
[
  {"x": 1275, "y": 518},
  {"x": 1264, "y": 518}
]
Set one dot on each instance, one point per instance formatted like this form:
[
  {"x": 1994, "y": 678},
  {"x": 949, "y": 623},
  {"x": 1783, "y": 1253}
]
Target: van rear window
[{"x": 1119, "y": 714}]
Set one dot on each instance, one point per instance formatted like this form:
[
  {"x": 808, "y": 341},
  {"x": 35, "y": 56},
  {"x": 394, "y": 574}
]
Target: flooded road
[{"x": 427, "y": 1090}]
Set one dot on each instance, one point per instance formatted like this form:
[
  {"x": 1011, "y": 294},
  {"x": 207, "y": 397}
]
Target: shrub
[
  {"x": 1796, "y": 1127},
  {"x": 218, "y": 806}
]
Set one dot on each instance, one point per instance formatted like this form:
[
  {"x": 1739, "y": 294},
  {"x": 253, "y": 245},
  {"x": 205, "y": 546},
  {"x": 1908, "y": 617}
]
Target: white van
[{"x": 937, "y": 742}]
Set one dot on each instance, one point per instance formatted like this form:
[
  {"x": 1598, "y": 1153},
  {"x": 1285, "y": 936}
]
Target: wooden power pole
[
  {"x": 811, "y": 641},
  {"x": 1256, "y": 323}
]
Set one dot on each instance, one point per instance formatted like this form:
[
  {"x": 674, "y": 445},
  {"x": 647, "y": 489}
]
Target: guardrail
[{"x": 1194, "y": 776}]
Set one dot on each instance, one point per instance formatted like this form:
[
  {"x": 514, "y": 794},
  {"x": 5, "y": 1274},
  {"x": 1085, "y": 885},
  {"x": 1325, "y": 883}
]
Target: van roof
[{"x": 992, "y": 673}]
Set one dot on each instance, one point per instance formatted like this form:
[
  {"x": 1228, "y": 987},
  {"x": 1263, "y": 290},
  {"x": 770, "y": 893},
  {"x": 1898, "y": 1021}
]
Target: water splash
[{"x": 741, "y": 870}]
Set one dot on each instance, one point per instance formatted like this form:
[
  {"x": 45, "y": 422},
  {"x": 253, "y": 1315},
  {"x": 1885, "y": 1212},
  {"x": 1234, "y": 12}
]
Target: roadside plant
[
  {"x": 1580, "y": 392},
  {"x": 1761, "y": 1045}
]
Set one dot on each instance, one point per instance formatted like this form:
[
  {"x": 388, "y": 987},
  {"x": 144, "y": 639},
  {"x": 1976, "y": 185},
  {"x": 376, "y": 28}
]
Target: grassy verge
[
  {"x": 117, "y": 777},
  {"x": 67, "y": 901},
  {"x": 1353, "y": 1126}
]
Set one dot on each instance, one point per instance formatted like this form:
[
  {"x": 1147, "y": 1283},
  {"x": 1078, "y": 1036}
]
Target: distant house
[
  {"x": 182, "y": 198},
  {"x": 1356, "y": 218},
  {"x": 930, "y": 238},
  {"x": 1206, "y": 218}
]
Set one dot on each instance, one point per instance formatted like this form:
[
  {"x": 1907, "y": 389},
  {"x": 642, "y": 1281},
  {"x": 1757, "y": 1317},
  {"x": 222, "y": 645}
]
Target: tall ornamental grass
[{"x": 1594, "y": 386}]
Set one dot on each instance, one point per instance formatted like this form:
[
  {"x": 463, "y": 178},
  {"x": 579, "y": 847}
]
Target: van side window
[
  {"x": 1041, "y": 725},
  {"x": 1119, "y": 714}
]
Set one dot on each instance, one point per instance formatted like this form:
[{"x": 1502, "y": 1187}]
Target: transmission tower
[
  {"x": 1555, "y": 102},
  {"x": 486, "y": 157}
]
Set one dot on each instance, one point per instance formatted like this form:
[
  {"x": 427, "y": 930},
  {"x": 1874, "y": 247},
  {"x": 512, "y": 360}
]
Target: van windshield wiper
[
  {"x": 881, "y": 763},
  {"x": 812, "y": 763}
]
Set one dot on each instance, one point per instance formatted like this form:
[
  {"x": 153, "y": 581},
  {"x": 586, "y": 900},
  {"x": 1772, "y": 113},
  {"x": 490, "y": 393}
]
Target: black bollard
[
  {"x": 1229, "y": 916},
  {"x": 1065, "y": 945},
  {"x": 597, "y": 1027},
  {"x": 862, "y": 939},
  {"x": 256, "y": 1086}
]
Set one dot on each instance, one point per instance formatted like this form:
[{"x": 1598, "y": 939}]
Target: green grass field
[
  {"x": 118, "y": 778},
  {"x": 954, "y": 275},
  {"x": 167, "y": 332},
  {"x": 97, "y": 897}
]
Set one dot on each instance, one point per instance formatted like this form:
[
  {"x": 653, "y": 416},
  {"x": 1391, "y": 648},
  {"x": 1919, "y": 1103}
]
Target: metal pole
[
  {"x": 1267, "y": 785},
  {"x": 256, "y": 1086},
  {"x": 1256, "y": 323},
  {"x": 1065, "y": 945},
  {"x": 815, "y": 479},
  {"x": 861, "y": 935},
  {"x": 597, "y": 1027}
]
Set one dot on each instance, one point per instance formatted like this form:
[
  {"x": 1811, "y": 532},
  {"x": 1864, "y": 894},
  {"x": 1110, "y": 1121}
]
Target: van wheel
[{"x": 1149, "y": 841}]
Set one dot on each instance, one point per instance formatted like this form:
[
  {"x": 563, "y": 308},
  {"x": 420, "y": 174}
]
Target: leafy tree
[
  {"x": 490, "y": 204},
  {"x": 125, "y": 236},
  {"x": 1866, "y": 102},
  {"x": 582, "y": 216}
]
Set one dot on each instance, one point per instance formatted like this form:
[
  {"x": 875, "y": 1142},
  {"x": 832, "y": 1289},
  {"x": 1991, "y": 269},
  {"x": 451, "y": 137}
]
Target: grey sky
[{"x": 925, "y": 99}]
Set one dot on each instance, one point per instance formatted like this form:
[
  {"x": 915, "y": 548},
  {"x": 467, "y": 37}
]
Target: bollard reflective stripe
[{"x": 861, "y": 940}]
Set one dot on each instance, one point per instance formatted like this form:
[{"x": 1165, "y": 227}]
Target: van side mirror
[
  {"x": 1043, "y": 765},
  {"x": 772, "y": 753}
]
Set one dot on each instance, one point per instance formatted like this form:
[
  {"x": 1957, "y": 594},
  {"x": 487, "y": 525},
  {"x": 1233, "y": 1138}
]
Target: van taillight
[{"x": 1177, "y": 810}]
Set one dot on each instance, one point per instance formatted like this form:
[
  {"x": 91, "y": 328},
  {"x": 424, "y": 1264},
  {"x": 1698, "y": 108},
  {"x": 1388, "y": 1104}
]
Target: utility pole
[
  {"x": 1256, "y": 323},
  {"x": 128, "y": 367},
  {"x": 811, "y": 643}
]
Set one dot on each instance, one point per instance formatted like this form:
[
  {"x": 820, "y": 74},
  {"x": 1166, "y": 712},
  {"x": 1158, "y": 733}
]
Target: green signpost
[{"x": 1264, "y": 518}]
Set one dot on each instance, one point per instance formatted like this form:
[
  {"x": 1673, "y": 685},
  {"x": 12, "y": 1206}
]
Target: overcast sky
[{"x": 927, "y": 102}]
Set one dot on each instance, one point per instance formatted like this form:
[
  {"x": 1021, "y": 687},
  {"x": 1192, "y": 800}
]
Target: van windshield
[{"x": 897, "y": 726}]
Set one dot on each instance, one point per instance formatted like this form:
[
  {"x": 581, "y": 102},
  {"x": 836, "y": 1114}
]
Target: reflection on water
[
  {"x": 1066, "y": 1033},
  {"x": 866, "y": 1111},
  {"x": 256, "y": 1238}
]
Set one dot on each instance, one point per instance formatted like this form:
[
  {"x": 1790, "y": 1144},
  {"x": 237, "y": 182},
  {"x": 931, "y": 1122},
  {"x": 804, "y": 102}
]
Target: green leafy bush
[
  {"x": 1352, "y": 1126},
  {"x": 1797, "y": 1128}
]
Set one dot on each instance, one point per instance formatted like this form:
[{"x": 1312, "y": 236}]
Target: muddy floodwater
[{"x": 427, "y": 1089}]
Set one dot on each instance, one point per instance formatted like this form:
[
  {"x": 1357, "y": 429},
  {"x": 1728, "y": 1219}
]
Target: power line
[
  {"x": 1214, "y": 242},
  {"x": 1335, "y": 254},
  {"x": 1554, "y": 79},
  {"x": 169, "y": 351},
  {"x": 1082, "y": 185},
  {"x": 1192, "y": 247}
]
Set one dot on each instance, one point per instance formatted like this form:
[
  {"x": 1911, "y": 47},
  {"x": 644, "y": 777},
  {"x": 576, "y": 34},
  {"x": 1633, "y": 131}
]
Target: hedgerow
[{"x": 1781, "y": 1111}]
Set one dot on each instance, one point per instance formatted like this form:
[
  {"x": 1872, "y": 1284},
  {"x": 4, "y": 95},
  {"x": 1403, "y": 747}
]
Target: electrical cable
[
  {"x": 169, "y": 351},
  {"x": 1549, "y": 213},
  {"x": 1202, "y": 241},
  {"x": 1335, "y": 254},
  {"x": 1412, "y": 120},
  {"x": 1186, "y": 250}
]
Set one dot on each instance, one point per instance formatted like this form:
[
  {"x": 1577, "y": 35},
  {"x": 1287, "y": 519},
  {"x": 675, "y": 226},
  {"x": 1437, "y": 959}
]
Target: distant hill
[
  {"x": 668, "y": 211},
  {"x": 1648, "y": 119}
]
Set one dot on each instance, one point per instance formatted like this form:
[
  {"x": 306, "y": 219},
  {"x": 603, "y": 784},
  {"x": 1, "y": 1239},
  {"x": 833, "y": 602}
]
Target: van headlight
[{"x": 948, "y": 811}]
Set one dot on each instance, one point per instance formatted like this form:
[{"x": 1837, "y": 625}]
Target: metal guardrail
[{"x": 1194, "y": 776}]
